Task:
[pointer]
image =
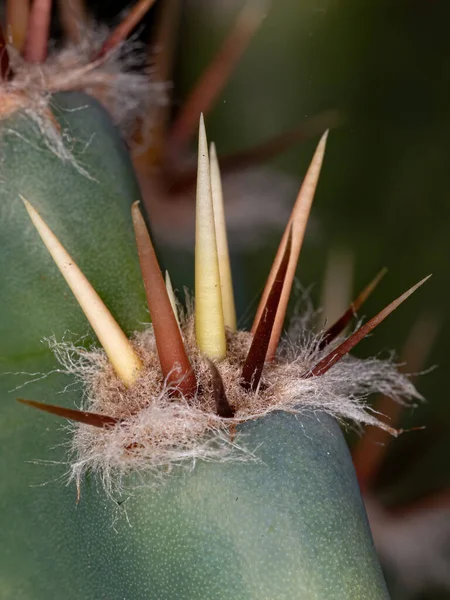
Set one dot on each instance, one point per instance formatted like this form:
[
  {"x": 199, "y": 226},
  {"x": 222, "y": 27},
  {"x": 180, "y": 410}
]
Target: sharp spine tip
[
  {"x": 339, "y": 326},
  {"x": 257, "y": 355},
  {"x": 209, "y": 319},
  {"x": 80, "y": 416},
  {"x": 118, "y": 348},
  {"x": 297, "y": 224},
  {"x": 335, "y": 355},
  {"x": 174, "y": 361}
]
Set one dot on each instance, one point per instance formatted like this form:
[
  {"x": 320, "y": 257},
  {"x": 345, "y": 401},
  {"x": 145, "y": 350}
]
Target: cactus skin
[
  {"x": 291, "y": 526},
  {"x": 35, "y": 300}
]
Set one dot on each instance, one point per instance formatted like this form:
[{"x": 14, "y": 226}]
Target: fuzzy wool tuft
[
  {"x": 158, "y": 429},
  {"x": 122, "y": 81}
]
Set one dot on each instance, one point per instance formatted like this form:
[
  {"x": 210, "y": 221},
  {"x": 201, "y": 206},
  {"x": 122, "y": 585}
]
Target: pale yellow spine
[
  {"x": 209, "y": 321},
  {"x": 118, "y": 348},
  {"x": 226, "y": 282}
]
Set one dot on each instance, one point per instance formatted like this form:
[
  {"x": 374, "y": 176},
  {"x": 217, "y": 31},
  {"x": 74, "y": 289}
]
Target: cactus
[{"x": 203, "y": 462}]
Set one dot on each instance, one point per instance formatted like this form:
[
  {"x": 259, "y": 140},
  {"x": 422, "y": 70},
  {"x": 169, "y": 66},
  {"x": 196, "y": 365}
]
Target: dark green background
[
  {"x": 385, "y": 188},
  {"x": 385, "y": 183}
]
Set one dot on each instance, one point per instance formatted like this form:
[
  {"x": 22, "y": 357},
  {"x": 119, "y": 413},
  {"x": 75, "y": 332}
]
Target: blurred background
[
  {"x": 383, "y": 200},
  {"x": 378, "y": 74}
]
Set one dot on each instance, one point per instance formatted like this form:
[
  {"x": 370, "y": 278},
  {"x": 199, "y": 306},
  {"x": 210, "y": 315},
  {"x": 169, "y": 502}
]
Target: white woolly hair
[
  {"x": 121, "y": 81},
  {"x": 158, "y": 429}
]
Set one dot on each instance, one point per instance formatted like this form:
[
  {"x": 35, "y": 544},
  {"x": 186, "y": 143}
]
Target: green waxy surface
[
  {"x": 89, "y": 216},
  {"x": 291, "y": 525}
]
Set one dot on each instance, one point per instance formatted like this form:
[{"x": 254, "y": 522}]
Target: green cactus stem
[
  {"x": 70, "y": 201},
  {"x": 200, "y": 462},
  {"x": 286, "y": 521}
]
